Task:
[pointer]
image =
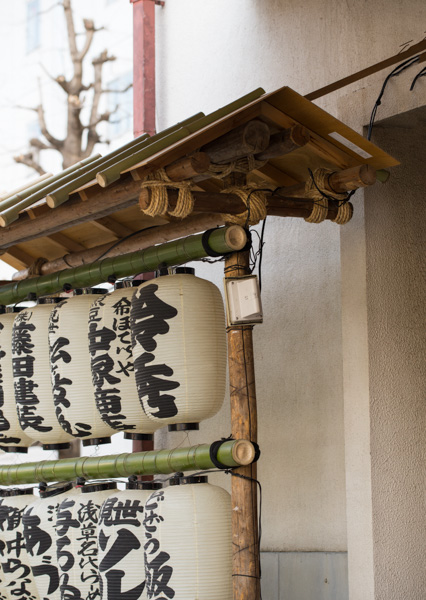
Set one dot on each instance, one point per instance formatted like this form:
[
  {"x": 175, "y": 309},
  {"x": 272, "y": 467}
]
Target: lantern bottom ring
[
  {"x": 97, "y": 441},
  {"x": 21, "y": 449},
  {"x": 146, "y": 437},
  {"x": 63, "y": 446},
  {"x": 184, "y": 427}
]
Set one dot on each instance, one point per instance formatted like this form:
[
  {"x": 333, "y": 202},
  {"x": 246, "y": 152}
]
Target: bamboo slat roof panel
[{"x": 110, "y": 183}]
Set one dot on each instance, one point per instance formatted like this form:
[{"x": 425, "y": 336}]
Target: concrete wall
[{"x": 396, "y": 233}]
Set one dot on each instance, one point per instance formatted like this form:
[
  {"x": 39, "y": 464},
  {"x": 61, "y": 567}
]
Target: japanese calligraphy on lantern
[
  {"x": 158, "y": 572},
  {"x": 26, "y": 388},
  {"x": 18, "y": 579},
  {"x": 149, "y": 319},
  {"x": 121, "y": 546}
]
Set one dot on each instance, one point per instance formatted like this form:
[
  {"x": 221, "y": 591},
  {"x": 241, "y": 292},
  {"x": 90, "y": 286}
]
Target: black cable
[
  {"x": 123, "y": 240},
  {"x": 421, "y": 73},
  {"x": 398, "y": 69}
]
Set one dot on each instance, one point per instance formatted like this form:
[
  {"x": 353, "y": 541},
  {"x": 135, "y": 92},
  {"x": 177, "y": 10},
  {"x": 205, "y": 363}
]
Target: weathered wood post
[{"x": 245, "y": 535}]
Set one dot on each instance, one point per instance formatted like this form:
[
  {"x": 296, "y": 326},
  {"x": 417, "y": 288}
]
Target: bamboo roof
[{"x": 96, "y": 201}]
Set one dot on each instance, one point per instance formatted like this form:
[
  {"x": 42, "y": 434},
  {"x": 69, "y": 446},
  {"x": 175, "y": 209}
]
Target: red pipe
[
  {"x": 143, "y": 67},
  {"x": 143, "y": 97}
]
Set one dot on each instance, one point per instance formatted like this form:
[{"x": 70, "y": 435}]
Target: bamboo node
[
  {"x": 242, "y": 165},
  {"x": 254, "y": 199},
  {"x": 158, "y": 183},
  {"x": 316, "y": 188}
]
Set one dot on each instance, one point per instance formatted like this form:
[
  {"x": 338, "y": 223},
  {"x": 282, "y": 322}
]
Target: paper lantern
[
  {"x": 113, "y": 373},
  {"x": 77, "y": 548},
  {"x": 121, "y": 539},
  {"x": 32, "y": 382},
  {"x": 179, "y": 349},
  {"x": 188, "y": 549},
  {"x": 12, "y": 436},
  {"x": 38, "y": 522},
  {"x": 3, "y": 591},
  {"x": 18, "y": 580},
  {"x": 73, "y": 391}
]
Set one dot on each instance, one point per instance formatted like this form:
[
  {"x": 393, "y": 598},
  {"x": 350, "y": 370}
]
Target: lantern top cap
[
  {"x": 84, "y": 291},
  {"x": 184, "y": 271},
  {"x": 98, "y": 487},
  {"x": 193, "y": 479},
  {"x": 144, "y": 485},
  {"x": 20, "y": 492},
  {"x": 50, "y": 300},
  {"x": 55, "y": 491}
]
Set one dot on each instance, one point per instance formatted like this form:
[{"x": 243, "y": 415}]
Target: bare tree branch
[
  {"x": 40, "y": 145},
  {"x": 122, "y": 91},
  {"x": 28, "y": 160},
  {"x": 89, "y": 26}
]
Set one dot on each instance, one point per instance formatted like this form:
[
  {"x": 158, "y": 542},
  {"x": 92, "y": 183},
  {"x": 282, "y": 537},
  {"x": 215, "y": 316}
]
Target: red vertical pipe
[
  {"x": 143, "y": 67},
  {"x": 143, "y": 96}
]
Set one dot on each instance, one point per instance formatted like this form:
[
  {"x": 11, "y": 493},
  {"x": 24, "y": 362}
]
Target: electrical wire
[{"x": 394, "y": 73}]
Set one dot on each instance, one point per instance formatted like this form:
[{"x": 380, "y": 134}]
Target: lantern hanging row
[
  {"x": 93, "y": 542},
  {"x": 131, "y": 361}
]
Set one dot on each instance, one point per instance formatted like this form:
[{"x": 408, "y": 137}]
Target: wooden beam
[
  {"x": 120, "y": 195},
  {"x": 285, "y": 141},
  {"x": 277, "y": 204},
  {"x": 17, "y": 258},
  {"x": 66, "y": 242},
  {"x": 141, "y": 241},
  {"x": 112, "y": 226},
  {"x": 184, "y": 168},
  {"x": 250, "y": 138},
  {"x": 245, "y": 534},
  {"x": 384, "y": 64}
]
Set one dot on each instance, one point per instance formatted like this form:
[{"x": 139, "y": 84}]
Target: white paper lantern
[
  {"x": 12, "y": 436},
  {"x": 77, "y": 548},
  {"x": 39, "y": 520},
  {"x": 73, "y": 391},
  {"x": 3, "y": 592},
  {"x": 32, "y": 382},
  {"x": 18, "y": 580},
  {"x": 179, "y": 349},
  {"x": 188, "y": 549},
  {"x": 121, "y": 539},
  {"x": 113, "y": 373}
]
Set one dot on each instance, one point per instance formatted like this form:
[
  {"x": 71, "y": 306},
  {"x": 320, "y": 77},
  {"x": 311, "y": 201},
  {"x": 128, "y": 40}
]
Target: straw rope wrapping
[
  {"x": 315, "y": 188},
  {"x": 242, "y": 165},
  {"x": 158, "y": 183},
  {"x": 256, "y": 203},
  {"x": 34, "y": 270}
]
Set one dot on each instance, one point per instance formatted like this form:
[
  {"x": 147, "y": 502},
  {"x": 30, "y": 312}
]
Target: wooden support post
[
  {"x": 285, "y": 141},
  {"x": 245, "y": 534}
]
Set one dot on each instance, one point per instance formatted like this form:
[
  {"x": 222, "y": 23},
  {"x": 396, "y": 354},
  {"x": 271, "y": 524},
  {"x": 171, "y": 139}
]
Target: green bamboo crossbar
[
  {"x": 221, "y": 241},
  {"x": 232, "y": 453}
]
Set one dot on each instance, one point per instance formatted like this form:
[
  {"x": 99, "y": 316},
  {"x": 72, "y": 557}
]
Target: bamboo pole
[
  {"x": 340, "y": 181},
  {"x": 12, "y": 206},
  {"x": 111, "y": 174},
  {"x": 216, "y": 202},
  {"x": 245, "y": 534},
  {"x": 193, "y": 458},
  {"x": 250, "y": 138},
  {"x": 222, "y": 241},
  {"x": 285, "y": 141},
  {"x": 140, "y": 241},
  {"x": 25, "y": 186},
  {"x": 145, "y": 144}
]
